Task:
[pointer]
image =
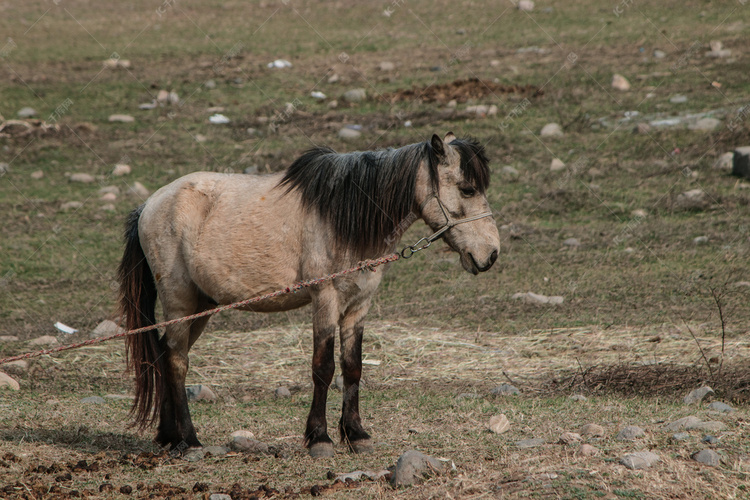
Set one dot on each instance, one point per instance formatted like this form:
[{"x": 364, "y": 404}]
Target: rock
[
  {"x": 705, "y": 124},
  {"x": 26, "y": 112},
  {"x": 525, "y": 5},
  {"x": 700, "y": 240},
  {"x": 4, "y": 168},
  {"x": 695, "y": 199},
  {"x": 114, "y": 63},
  {"x": 619, "y": 82},
  {"x": 219, "y": 496},
  {"x": 118, "y": 118},
  {"x": 71, "y": 205},
  {"x": 119, "y": 397},
  {"x": 349, "y": 133},
  {"x": 37, "y": 174},
  {"x": 530, "y": 443},
  {"x": 412, "y": 467},
  {"x": 17, "y": 367},
  {"x": 678, "y": 99},
  {"x": 108, "y": 207},
  {"x": 334, "y": 78},
  {"x": 279, "y": 63},
  {"x": 716, "y": 45},
  {"x": 570, "y": 438},
  {"x": 682, "y": 423},
  {"x": 642, "y": 128},
  {"x": 630, "y": 433},
  {"x": 505, "y": 390},
  {"x": 162, "y": 96},
  {"x": 248, "y": 445},
  {"x": 535, "y": 298},
  {"x": 578, "y": 397},
  {"x": 572, "y": 242},
  {"x": 640, "y": 460},
  {"x": 659, "y": 54},
  {"x": 6, "y": 381},
  {"x": 556, "y": 165},
  {"x": 106, "y": 327},
  {"x": 593, "y": 430},
  {"x": 722, "y": 407},
  {"x": 109, "y": 189},
  {"x": 355, "y": 95},
  {"x": 710, "y": 439},
  {"x": 586, "y": 450},
  {"x": 712, "y": 426},
  {"x": 216, "y": 451},
  {"x": 139, "y": 190},
  {"x": 44, "y": 340},
  {"x": 282, "y": 392},
  {"x": 218, "y": 119},
  {"x": 708, "y": 457},
  {"x": 724, "y": 162},
  {"x": 509, "y": 171},
  {"x": 121, "y": 169},
  {"x": 93, "y": 400},
  {"x": 193, "y": 455},
  {"x": 209, "y": 84},
  {"x": 551, "y": 130},
  {"x": 82, "y": 178},
  {"x": 680, "y": 436},
  {"x": 199, "y": 393},
  {"x": 386, "y": 66},
  {"x": 697, "y": 395},
  {"x": 741, "y": 162},
  {"x": 108, "y": 197},
  {"x": 8, "y": 338},
  {"x": 243, "y": 433},
  {"x": 148, "y": 105},
  {"x": 499, "y": 424}
]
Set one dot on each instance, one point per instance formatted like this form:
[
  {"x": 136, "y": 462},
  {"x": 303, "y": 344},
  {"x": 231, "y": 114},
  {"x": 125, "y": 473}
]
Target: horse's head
[{"x": 461, "y": 175}]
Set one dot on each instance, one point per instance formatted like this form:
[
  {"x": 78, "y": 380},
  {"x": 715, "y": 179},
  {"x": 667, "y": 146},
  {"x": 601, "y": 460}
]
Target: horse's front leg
[
  {"x": 350, "y": 425},
  {"x": 325, "y": 316}
]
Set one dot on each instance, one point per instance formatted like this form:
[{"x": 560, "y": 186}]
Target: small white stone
[
  {"x": 82, "y": 178},
  {"x": 386, "y": 66},
  {"x": 9, "y": 382},
  {"x": 108, "y": 197},
  {"x": 37, "y": 174},
  {"x": 119, "y": 118},
  {"x": 349, "y": 133},
  {"x": 71, "y": 205},
  {"x": 551, "y": 130},
  {"x": 499, "y": 424},
  {"x": 556, "y": 165},
  {"x": 724, "y": 162},
  {"x": 525, "y": 5},
  {"x": 619, "y": 82},
  {"x": 121, "y": 169},
  {"x": 44, "y": 340}
]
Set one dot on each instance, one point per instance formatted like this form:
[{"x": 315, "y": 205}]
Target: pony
[{"x": 210, "y": 239}]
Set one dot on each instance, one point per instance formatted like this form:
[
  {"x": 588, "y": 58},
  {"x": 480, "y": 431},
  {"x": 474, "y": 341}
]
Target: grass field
[{"x": 638, "y": 290}]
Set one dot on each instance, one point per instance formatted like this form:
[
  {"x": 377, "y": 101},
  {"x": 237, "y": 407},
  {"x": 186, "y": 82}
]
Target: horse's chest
[{"x": 357, "y": 288}]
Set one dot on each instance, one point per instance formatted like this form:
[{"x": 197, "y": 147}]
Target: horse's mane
[{"x": 365, "y": 195}]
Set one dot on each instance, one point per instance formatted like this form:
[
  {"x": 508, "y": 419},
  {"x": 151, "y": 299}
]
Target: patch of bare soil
[{"x": 461, "y": 91}]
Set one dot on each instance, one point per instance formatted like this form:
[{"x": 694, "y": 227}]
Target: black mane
[{"x": 364, "y": 195}]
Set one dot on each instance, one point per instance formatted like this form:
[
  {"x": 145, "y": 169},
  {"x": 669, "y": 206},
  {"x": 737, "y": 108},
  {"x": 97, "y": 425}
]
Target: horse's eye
[{"x": 468, "y": 191}]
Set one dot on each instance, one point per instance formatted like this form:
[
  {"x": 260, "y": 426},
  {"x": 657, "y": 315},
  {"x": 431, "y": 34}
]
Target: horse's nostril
[{"x": 493, "y": 257}]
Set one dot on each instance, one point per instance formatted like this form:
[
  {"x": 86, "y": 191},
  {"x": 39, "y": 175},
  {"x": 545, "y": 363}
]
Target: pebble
[
  {"x": 705, "y": 124},
  {"x": 106, "y": 327},
  {"x": 639, "y": 213},
  {"x": 412, "y": 467},
  {"x": 209, "y": 84},
  {"x": 248, "y": 445},
  {"x": 719, "y": 406},
  {"x": 114, "y": 63},
  {"x": 695, "y": 199},
  {"x": 162, "y": 95},
  {"x": 499, "y": 424},
  {"x": 386, "y": 66},
  {"x": 139, "y": 190},
  {"x": 570, "y": 438},
  {"x": 109, "y": 189},
  {"x": 148, "y": 105},
  {"x": 509, "y": 171},
  {"x": 219, "y": 496},
  {"x": 619, "y": 82},
  {"x": 17, "y": 367},
  {"x": 8, "y": 381},
  {"x": 279, "y": 63},
  {"x": 659, "y": 54},
  {"x": 195, "y": 455},
  {"x": 199, "y": 138},
  {"x": 119, "y": 397},
  {"x": 640, "y": 460},
  {"x": 680, "y": 436},
  {"x": 316, "y": 94},
  {"x": 108, "y": 207},
  {"x": 200, "y": 393},
  {"x": 578, "y": 397},
  {"x": 505, "y": 390},
  {"x": 642, "y": 128},
  {"x": 586, "y": 450},
  {"x": 334, "y": 78},
  {"x": 707, "y": 457},
  {"x": 4, "y": 168},
  {"x": 216, "y": 451},
  {"x": 678, "y": 99},
  {"x": 683, "y": 423},
  {"x": 530, "y": 443},
  {"x": 525, "y": 5},
  {"x": 724, "y": 162},
  {"x": 741, "y": 162},
  {"x": 121, "y": 169},
  {"x": 712, "y": 426},
  {"x": 282, "y": 392},
  {"x": 44, "y": 340},
  {"x": 218, "y": 119},
  {"x": 119, "y": 118},
  {"x": 700, "y": 240},
  {"x": 710, "y": 439},
  {"x": 572, "y": 242},
  {"x": 37, "y": 174},
  {"x": 93, "y": 400},
  {"x": 594, "y": 430},
  {"x": 551, "y": 130},
  {"x": 535, "y": 298},
  {"x": 71, "y": 205},
  {"x": 108, "y": 197},
  {"x": 82, "y": 178},
  {"x": 630, "y": 433},
  {"x": 697, "y": 395},
  {"x": 556, "y": 165},
  {"x": 349, "y": 133},
  {"x": 355, "y": 95},
  {"x": 243, "y": 433},
  {"x": 26, "y": 112},
  {"x": 8, "y": 338}
]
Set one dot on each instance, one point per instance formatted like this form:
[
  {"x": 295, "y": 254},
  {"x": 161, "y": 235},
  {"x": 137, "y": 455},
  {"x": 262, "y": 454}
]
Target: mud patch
[{"x": 461, "y": 91}]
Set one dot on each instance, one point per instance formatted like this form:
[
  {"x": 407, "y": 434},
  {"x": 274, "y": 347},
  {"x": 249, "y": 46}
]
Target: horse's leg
[
  {"x": 325, "y": 316},
  {"x": 350, "y": 425}
]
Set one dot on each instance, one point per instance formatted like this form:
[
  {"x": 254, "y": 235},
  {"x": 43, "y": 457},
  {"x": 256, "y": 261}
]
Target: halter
[{"x": 425, "y": 242}]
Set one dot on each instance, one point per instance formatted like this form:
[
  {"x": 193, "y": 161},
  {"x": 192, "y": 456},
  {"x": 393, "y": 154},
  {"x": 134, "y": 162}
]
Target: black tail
[{"x": 145, "y": 357}]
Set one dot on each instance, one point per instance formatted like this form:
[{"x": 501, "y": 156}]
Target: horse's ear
[
  {"x": 449, "y": 137},
  {"x": 437, "y": 146}
]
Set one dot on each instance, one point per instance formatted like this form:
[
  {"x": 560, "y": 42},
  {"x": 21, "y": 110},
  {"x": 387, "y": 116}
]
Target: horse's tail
[{"x": 145, "y": 356}]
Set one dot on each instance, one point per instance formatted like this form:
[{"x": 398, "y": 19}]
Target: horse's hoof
[
  {"x": 321, "y": 450},
  {"x": 362, "y": 446}
]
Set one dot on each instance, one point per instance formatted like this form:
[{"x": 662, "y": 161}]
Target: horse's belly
[{"x": 280, "y": 303}]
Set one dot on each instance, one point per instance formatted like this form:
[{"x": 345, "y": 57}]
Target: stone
[
  {"x": 741, "y": 162},
  {"x": 209, "y": 84},
  {"x": 44, "y": 340},
  {"x": 530, "y": 443},
  {"x": 355, "y": 95},
  {"x": 71, "y": 205},
  {"x": 700, "y": 240},
  {"x": 724, "y": 162},
  {"x": 349, "y": 133},
  {"x": 108, "y": 197},
  {"x": 114, "y": 63},
  {"x": 200, "y": 393},
  {"x": 640, "y": 460},
  {"x": 682, "y": 423},
  {"x": 243, "y": 433},
  {"x": 697, "y": 395},
  {"x": 630, "y": 433},
  {"x": 106, "y": 327},
  {"x": 570, "y": 438},
  {"x": 705, "y": 124},
  {"x": 710, "y": 439},
  {"x": 37, "y": 174},
  {"x": 551, "y": 130},
  {"x": 639, "y": 213},
  {"x": 556, "y": 165},
  {"x": 707, "y": 457},
  {"x": 535, "y": 298},
  {"x": 586, "y": 450},
  {"x": 412, "y": 467},
  {"x": 680, "y": 436},
  {"x": 572, "y": 242},
  {"x": 695, "y": 199},
  {"x": 593, "y": 430},
  {"x": 619, "y": 82},
  {"x": 193, "y": 455},
  {"x": 712, "y": 426},
  {"x": 121, "y": 169},
  {"x": 659, "y": 54},
  {"x": 216, "y": 451},
  {"x": 6, "y": 381},
  {"x": 282, "y": 392},
  {"x": 26, "y": 112},
  {"x": 505, "y": 390},
  {"x": 499, "y": 424},
  {"x": 678, "y": 99},
  {"x": 119, "y": 118},
  {"x": 219, "y": 496},
  {"x": 4, "y": 168},
  {"x": 248, "y": 445},
  {"x": 93, "y": 400},
  {"x": 82, "y": 178},
  {"x": 386, "y": 66},
  {"x": 162, "y": 96},
  {"x": 139, "y": 190},
  {"x": 119, "y": 397},
  {"x": 107, "y": 207},
  {"x": 8, "y": 338},
  {"x": 525, "y": 5},
  {"x": 509, "y": 171},
  {"x": 722, "y": 407},
  {"x": 109, "y": 189},
  {"x": 148, "y": 105},
  {"x": 642, "y": 128},
  {"x": 17, "y": 367},
  {"x": 578, "y": 397}
]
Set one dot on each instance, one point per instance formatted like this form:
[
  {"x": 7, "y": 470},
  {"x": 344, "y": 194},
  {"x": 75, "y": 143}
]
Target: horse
[{"x": 209, "y": 239}]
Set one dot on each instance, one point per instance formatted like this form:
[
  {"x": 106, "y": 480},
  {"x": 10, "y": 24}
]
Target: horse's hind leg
[{"x": 350, "y": 425}]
